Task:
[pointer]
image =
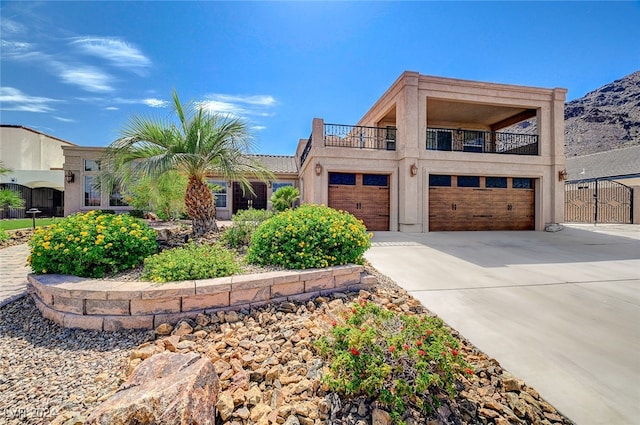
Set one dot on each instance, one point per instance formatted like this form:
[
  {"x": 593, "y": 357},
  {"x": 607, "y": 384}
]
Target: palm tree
[
  {"x": 195, "y": 146},
  {"x": 9, "y": 198}
]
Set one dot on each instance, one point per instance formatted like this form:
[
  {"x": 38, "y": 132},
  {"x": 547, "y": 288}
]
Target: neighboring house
[
  {"x": 443, "y": 154},
  {"x": 604, "y": 187},
  {"x": 84, "y": 164},
  {"x": 36, "y": 161}
]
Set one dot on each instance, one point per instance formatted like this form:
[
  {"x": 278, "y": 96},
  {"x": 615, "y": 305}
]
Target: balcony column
[
  {"x": 410, "y": 120},
  {"x": 557, "y": 154}
]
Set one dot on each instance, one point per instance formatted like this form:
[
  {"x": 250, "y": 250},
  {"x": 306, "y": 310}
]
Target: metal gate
[{"x": 598, "y": 201}]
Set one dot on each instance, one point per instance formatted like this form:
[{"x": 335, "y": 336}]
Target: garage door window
[
  {"x": 441, "y": 181},
  {"x": 520, "y": 183},
  {"x": 468, "y": 181},
  {"x": 496, "y": 182},
  {"x": 375, "y": 180},
  {"x": 342, "y": 178}
]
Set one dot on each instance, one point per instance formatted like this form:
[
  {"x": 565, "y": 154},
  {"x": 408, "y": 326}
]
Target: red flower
[
  {"x": 421, "y": 352},
  {"x": 454, "y": 352},
  {"x": 468, "y": 371},
  {"x": 362, "y": 302},
  {"x": 353, "y": 310},
  {"x": 406, "y": 346},
  {"x": 355, "y": 351},
  {"x": 334, "y": 323},
  {"x": 419, "y": 343},
  {"x": 429, "y": 332},
  {"x": 392, "y": 348}
]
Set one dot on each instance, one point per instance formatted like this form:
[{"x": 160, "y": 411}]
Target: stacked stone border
[{"x": 75, "y": 302}]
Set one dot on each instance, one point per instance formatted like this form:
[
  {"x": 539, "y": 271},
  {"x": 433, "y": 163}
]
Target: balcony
[
  {"x": 447, "y": 139},
  {"x": 352, "y": 136}
]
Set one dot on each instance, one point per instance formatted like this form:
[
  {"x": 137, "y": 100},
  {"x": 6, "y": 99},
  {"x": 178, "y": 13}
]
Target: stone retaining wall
[{"x": 75, "y": 302}]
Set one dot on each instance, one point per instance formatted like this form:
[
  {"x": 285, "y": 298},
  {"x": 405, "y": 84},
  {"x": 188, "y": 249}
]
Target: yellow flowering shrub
[
  {"x": 91, "y": 244},
  {"x": 310, "y": 236}
]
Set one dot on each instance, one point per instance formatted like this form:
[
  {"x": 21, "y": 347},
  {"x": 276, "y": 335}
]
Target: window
[
  {"x": 91, "y": 195},
  {"x": 522, "y": 183},
  {"x": 468, "y": 181},
  {"x": 437, "y": 180},
  {"x": 220, "y": 193},
  {"x": 91, "y": 165},
  {"x": 473, "y": 141},
  {"x": 277, "y": 185},
  {"x": 116, "y": 199},
  {"x": 440, "y": 140},
  {"x": 342, "y": 178},
  {"x": 496, "y": 182},
  {"x": 375, "y": 180}
]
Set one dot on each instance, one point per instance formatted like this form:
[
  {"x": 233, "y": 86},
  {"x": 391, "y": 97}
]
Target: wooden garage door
[
  {"x": 364, "y": 195},
  {"x": 481, "y": 203}
]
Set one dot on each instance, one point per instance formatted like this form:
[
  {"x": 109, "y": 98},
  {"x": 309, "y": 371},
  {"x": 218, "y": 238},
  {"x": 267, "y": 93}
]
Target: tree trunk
[{"x": 200, "y": 206}]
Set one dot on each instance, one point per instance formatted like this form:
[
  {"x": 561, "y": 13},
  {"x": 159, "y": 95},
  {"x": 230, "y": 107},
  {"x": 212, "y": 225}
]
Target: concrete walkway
[
  {"x": 559, "y": 310},
  {"x": 13, "y": 272}
]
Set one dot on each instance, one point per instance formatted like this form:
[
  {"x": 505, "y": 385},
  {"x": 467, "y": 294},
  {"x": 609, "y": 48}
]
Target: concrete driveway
[{"x": 559, "y": 310}]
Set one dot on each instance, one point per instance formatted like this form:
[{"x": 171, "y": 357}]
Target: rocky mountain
[{"x": 604, "y": 119}]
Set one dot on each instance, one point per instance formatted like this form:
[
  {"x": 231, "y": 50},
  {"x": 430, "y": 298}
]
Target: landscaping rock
[{"x": 165, "y": 389}]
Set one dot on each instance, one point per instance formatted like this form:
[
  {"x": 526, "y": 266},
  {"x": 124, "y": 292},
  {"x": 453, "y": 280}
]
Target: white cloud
[
  {"x": 11, "y": 27},
  {"x": 12, "y": 99},
  {"x": 87, "y": 77},
  {"x": 258, "y": 127},
  {"x": 238, "y": 105},
  {"x": 14, "y": 48},
  {"x": 155, "y": 103},
  {"x": 116, "y": 51},
  {"x": 64, "y": 119},
  {"x": 111, "y": 108}
]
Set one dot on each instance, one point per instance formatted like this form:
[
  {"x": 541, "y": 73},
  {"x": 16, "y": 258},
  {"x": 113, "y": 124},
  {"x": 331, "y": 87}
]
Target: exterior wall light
[
  {"x": 413, "y": 170},
  {"x": 69, "y": 176},
  {"x": 318, "y": 168},
  {"x": 563, "y": 175}
]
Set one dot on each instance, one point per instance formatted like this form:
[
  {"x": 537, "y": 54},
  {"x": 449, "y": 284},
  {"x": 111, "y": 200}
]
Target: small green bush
[
  {"x": 3, "y": 235},
  {"x": 309, "y": 236},
  {"x": 245, "y": 222},
  {"x": 190, "y": 262},
  {"x": 92, "y": 244},
  {"x": 283, "y": 198},
  {"x": 402, "y": 360}
]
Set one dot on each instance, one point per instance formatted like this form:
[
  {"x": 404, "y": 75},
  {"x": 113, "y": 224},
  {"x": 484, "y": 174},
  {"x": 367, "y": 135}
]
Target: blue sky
[{"x": 79, "y": 70}]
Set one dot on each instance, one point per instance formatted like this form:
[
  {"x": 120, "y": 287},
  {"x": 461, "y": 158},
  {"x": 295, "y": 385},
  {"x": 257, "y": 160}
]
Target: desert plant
[
  {"x": 399, "y": 359},
  {"x": 92, "y": 244},
  {"x": 195, "y": 146},
  {"x": 245, "y": 222},
  {"x": 163, "y": 195},
  {"x": 309, "y": 236},
  {"x": 190, "y": 262},
  {"x": 284, "y": 198}
]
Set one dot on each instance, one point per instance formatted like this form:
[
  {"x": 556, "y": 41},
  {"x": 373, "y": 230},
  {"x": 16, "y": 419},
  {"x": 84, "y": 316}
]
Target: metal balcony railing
[
  {"x": 307, "y": 149},
  {"x": 447, "y": 139},
  {"x": 353, "y": 136}
]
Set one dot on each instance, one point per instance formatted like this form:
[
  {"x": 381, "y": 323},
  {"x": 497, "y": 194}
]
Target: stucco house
[
  {"x": 443, "y": 154},
  {"x": 431, "y": 154},
  {"x": 36, "y": 163},
  {"x": 84, "y": 164}
]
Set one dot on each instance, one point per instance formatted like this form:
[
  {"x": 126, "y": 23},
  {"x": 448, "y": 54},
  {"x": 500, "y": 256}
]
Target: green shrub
[
  {"x": 309, "y": 236},
  {"x": 245, "y": 222},
  {"x": 190, "y": 262},
  {"x": 92, "y": 244},
  {"x": 401, "y": 359},
  {"x": 283, "y": 198},
  {"x": 3, "y": 235}
]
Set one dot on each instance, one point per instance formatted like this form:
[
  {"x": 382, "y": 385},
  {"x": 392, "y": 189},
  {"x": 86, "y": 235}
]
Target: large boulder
[{"x": 167, "y": 388}]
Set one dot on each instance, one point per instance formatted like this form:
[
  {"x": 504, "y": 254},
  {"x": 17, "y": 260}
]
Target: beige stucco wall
[
  {"x": 406, "y": 101},
  {"x": 34, "y": 158}
]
